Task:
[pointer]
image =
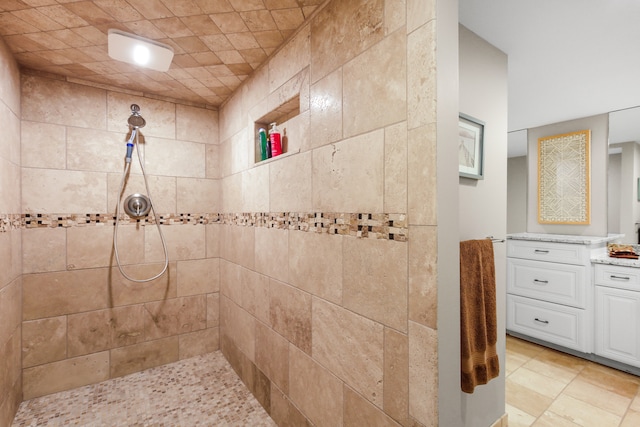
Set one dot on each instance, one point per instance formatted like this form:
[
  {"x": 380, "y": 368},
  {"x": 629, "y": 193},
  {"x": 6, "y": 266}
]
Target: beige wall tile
[
  {"x": 44, "y": 341},
  {"x": 272, "y": 356},
  {"x": 395, "y": 15},
  {"x": 255, "y": 190},
  {"x": 326, "y": 109},
  {"x": 375, "y": 86},
  {"x": 10, "y": 377},
  {"x": 231, "y": 281},
  {"x": 360, "y": 412},
  {"x": 238, "y": 326},
  {"x": 285, "y": 413},
  {"x": 65, "y": 374},
  {"x": 175, "y": 316},
  {"x": 184, "y": 242},
  {"x": 198, "y": 195},
  {"x": 163, "y": 191},
  {"x": 90, "y": 247},
  {"x": 375, "y": 280},
  {"x": 396, "y": 376},
  {"x": 421, "y": 197},
  {"x": 138, "y": 357},
  {"x": 213, "y": 310},
  {"x": 395, "y": 168},
  {"x": 254, "y": 294},
  {"x": 419, "y": 12},
  {"x": 10, "y": 174},
  {"x": 296, "y": 85},
  {"x": 44, "y": 249},
  {"x": 290, "y": 314},
  {"x": 56, "y": 191},
  {"x": 314, "y": 390},
  {"x": 159, "y": 115},
  {"x": 315, "y": 264},
  {"x": 174, "y": 158},
  {"x": 212, "y": 236},
  {"x": 421, "y": 77},
  {"x": 296, "y": 134},
  {"x": 423, "y": 374},
  {"x": 231, "y": 116},
  {"x": 56, "y": 101},
  {"x": 198, "y": 276},
  {"x": 10, "y": 257},
  {"x": 290, "y": 60},
  {"x": 423, "y": 269},
  {"x": 9, "y": 79},
  {"x": 334, "y": 175},
  {"x": 196, "y": 124},
  {"x": 212, "y": 162},
  {"x": 290, "y": 184},
  {"x": 125, "y": 292},
  {"x": 232, "y": 198},
  {"x": 95, "y": 150},
  {"x": 360, "y": 22},
  {"x": 350, "y": 346},
  {"x": 272, "y": 252},
  {"x": 234, "y": 152},
  {"x": 43, "y": 145},
  {"x": 239, "y": 245},
  {"x": 65, "y": 292},
  {"x": 10, "y": 309},
  {"x": 11, "y": 137},
  {"x": 199, "y": 342},
  {"x": 100, "y": 330}
]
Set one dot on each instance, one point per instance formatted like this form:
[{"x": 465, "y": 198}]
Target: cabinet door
[{"x": 618, "y": 324}]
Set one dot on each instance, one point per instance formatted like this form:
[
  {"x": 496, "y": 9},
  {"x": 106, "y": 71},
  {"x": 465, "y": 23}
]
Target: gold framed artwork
[{"x": 564, "y": 178}]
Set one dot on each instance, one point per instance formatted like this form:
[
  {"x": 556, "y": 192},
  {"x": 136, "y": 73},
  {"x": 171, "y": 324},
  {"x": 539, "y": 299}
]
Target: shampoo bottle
[
  {"x": 276, "y": 140},
  {"x": 265, "y": 149}
]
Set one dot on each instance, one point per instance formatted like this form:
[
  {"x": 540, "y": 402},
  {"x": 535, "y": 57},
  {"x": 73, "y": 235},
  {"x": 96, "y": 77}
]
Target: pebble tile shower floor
[{"x": 200, "y": 391}]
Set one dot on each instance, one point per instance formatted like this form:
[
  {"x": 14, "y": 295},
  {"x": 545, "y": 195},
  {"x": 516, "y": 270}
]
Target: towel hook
[{"x": 494, "y": 240}]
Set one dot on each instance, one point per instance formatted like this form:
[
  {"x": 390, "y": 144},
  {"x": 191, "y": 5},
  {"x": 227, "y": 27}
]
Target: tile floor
[
  {"x": 200, "y": 391},
  {"x": 547, "y": 388}
]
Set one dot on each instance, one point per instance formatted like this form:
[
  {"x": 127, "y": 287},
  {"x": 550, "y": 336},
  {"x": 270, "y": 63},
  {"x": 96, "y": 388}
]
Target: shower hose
[{"x": 127, "y": 170}]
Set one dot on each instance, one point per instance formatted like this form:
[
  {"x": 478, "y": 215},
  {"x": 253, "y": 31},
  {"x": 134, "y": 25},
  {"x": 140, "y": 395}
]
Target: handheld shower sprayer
[{"x": 135, "y": 121}]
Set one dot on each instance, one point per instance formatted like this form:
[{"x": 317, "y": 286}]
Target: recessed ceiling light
[{"x": 137, "y": 50}]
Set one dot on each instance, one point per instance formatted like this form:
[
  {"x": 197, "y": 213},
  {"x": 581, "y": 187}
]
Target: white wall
[
  {"x": 599, "y": 126},
  {"x": 483, "y": 203},
  {"x": 517, "y": 194}
]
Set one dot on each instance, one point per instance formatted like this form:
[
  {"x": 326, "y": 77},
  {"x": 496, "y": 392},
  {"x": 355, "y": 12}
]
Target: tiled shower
[{"x": 314, "y": 272}]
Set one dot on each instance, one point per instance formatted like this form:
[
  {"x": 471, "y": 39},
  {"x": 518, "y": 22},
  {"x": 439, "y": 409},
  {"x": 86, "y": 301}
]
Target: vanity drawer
[
  {"x": 564, "y": 253},
  {"x": 617, "y": 276},
  {"x": 557, "y": 324},
  {"x": 557, "y": 283}
]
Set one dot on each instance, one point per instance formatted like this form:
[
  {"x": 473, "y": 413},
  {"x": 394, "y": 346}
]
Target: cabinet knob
[{"x": 542, "y": 282}]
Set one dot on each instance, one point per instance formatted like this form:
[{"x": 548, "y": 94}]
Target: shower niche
[{"x": 282, "y": 116}]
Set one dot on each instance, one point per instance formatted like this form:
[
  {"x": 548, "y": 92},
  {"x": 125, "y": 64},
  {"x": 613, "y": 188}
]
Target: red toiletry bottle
[{"x": 276, "y": 140}]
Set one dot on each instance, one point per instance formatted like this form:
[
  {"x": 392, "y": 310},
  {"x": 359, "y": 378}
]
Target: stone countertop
[
  {"x": 565, "y": 238},
  {"x": 606, "y": 259}
]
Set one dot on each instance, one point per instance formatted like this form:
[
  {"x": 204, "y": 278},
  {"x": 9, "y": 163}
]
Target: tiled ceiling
[{"x": 217, "y": 43}]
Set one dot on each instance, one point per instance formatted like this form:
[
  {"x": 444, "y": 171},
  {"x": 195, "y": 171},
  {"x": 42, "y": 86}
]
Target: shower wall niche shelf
[{"x": 281, "y": 116}]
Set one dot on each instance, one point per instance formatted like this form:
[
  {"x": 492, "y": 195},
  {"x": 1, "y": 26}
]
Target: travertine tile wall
[
  {"x": 10, "y": 239},
  {"x": 326, "y": 328},
  {"x": 82, "y": 321}
]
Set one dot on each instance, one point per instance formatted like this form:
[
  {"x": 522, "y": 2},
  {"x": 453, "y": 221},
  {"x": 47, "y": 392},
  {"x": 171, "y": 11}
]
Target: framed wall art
[
  {"x": 564, "y": 178},
  {"x": 470, "y": 147}
]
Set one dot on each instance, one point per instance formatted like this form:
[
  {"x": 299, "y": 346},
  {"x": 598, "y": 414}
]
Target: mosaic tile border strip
[{"x": 361, "y": 225}]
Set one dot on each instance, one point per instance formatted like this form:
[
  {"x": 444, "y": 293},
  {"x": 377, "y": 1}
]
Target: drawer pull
[
  {"x": 543, "y": 282},
  {"x": 619, "y": 277},
  {"x": 541, "y": 251},
  {"x": 546, "y": 322}
]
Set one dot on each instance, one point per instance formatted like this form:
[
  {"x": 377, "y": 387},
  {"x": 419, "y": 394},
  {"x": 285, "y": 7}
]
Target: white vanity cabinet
[
  {"x": 548, "y": 292},
  {"x": 617, "y": 313}
]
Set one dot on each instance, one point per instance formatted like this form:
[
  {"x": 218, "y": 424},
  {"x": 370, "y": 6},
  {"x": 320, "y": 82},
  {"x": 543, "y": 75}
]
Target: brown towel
[{"x": 478, "y": 317}]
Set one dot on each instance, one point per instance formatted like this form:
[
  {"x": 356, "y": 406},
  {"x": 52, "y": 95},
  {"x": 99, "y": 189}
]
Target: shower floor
[{"x": 202, "y": 390}]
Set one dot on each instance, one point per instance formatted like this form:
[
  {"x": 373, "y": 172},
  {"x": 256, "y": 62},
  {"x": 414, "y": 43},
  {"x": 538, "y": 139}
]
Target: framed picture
[
  {"x": 470, "y": 147},
  {"x": 564, "y": 178}
]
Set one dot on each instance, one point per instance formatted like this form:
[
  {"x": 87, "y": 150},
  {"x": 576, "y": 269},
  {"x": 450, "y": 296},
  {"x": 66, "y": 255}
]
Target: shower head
[{"x": 135, "y": 119}]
